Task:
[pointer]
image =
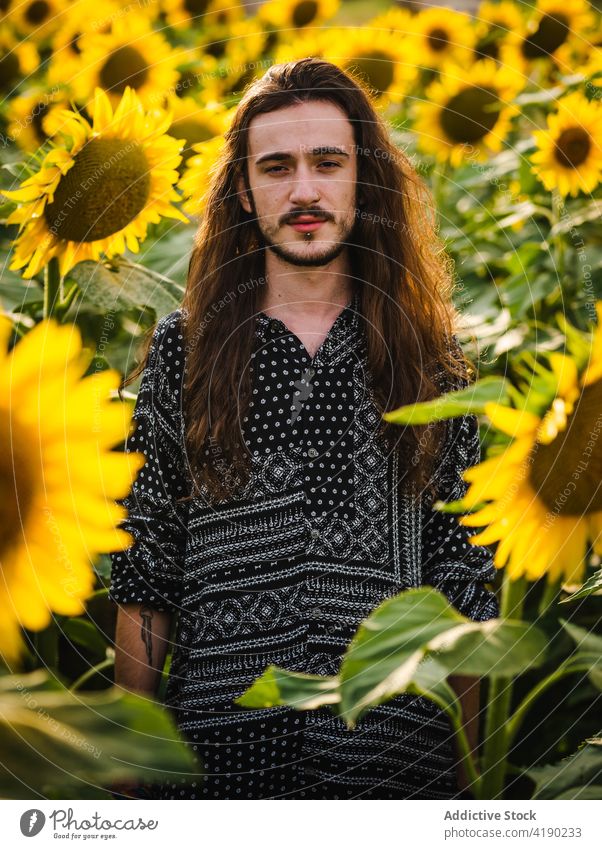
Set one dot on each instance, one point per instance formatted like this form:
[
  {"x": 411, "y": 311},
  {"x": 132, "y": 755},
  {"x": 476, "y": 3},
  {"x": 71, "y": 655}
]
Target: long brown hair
[{"x": 400, "y": 269}]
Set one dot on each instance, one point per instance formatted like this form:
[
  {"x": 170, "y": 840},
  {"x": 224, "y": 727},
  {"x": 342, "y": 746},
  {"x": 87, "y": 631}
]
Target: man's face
[{"x": 302, "y": 175}]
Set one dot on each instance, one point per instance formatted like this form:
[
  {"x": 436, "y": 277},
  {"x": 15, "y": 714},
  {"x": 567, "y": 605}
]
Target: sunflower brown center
[
  {"x": 270, "y": 42},
  {"x": 216, "y": 48},
  {"x": 470, "y": 115},
  {"x": 9, "y": 70},
  {"x": 548, "y": 37},
  {"x": 38, "y": 113},
  {"x": 74, "y": 44},
  {"x": 488, "y": 49},
  {"x": 567, "y": 473},
  {"x": 37, "y": 12},
  {"x": 16, "y": 483},
  {"x": 124, "y": 66},
  {"x": 572, "y": 147},
  {"x": 438, "y": 39},
  {"x": 304, "y": 13},
  {"x": 188, "y": 82},
  {"x": 193, "y": 131},
  {"x": 196, "y": 7},
  {"x": 378, "y": 70},
  {"x": 105, "y": 189}
]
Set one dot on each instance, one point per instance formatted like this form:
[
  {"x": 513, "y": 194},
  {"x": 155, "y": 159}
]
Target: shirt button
[
  {"x": 312, "y": 452},
  {"x": 314, "y": 533}
]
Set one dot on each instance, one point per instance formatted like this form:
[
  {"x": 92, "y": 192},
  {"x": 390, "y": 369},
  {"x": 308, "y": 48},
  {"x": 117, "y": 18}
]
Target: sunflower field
[{"x": 112, "y": 116}]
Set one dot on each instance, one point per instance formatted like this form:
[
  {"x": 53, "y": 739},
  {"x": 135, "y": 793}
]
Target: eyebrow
[{"x": 280, "y": 155}]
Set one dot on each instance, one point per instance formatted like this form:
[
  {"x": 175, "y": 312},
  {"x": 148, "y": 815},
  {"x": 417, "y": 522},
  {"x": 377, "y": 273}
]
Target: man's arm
[{"x": 141, "y": 643}]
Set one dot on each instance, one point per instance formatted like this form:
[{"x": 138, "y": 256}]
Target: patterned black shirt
[{"x": 285, "y": 573}]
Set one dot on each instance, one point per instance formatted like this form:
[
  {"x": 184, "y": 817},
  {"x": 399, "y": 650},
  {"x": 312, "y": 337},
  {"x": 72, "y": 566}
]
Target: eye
[
  {"x": 331, "y": 162},
  {"x": 273, "y": 168}
]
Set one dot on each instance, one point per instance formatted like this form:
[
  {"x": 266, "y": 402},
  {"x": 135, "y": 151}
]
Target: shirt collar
[{"x": 347, "y": 318}]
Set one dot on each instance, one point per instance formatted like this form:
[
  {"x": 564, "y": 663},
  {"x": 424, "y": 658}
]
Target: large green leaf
[
  {"x": 120, "y": 285},
  {"x": 57, "y": 744},
  {"x": 296, "y": 689},
  {"x": 461, "y": 402},
  {"x": 589, "y": 652},
  {"x": 384, "y": 654},
  {"x": 573, "y": 777},
  {"x": 410, "y": 643},
  {"x": 430, "y": 680}
]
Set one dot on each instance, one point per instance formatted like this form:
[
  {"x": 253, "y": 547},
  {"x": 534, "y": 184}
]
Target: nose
[{"x": 304, "y": 190}]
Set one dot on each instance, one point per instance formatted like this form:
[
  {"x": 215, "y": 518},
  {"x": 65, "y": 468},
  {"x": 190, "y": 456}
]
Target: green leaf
[
  {"x": 122, "y": 285},
  {"x": 57, "y": 744},
  {"x": 570, "y": 778},
  {"x": 591, "y": 586},
  {"x": 589, "y": 652},
  {"x": 592, "y": 791},
  {"x": 296, "y": 689},
  {"x": 430, "y": 680},
  {"x": 460, "y": 402},
  {"x": 85, "y": 634},
  {"x": 384, "y": 654}
]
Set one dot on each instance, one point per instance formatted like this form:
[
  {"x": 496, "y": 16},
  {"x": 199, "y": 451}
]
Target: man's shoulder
[
  {"x": 167, "y": 357},
  {"x": 170, "y": 327}
]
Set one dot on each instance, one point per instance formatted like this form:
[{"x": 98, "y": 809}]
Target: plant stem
[
  {"x": 90, "y": 673},
  {"x": 496, "y": 744},
  {"x": 549, "y": 595},
  {"x": 53, "y": 287},
  {"x": 519, "y": 714}
]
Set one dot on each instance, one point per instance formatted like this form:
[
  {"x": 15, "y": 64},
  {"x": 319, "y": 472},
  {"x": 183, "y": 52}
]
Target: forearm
[{"x": 141, "y": 642}]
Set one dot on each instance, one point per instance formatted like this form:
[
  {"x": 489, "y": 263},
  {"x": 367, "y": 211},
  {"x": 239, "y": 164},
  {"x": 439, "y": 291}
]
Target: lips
[{"x": 307, "y": 223}]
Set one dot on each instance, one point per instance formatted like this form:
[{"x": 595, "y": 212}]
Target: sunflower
[
  {"x": 544, "y": 491},
  {"x": 199, "y": 14},
  {"x": 240, "y": 63},
  {"x": 200, "y": 168},
  {"x": 18, "y": 60},
  {"x": 379, "y": 58},
  {"x": 440, "y": 36},
  {"x": 297, "y": 14},
  {"x": 93, "y": 16},
  {"x": 554, "y": 29},
  {"x": 194, "y": 122},
  {"x": 569, "y": 151},
  {"x": 233, "y": 43},
  {"x": 311, "y": 42},
  {"x": 97, "y": 192},
  {"x": 35, "y": 117},
  {"x": 394, "y": 19},
  {"x": 131, "y": 54},
  {"x": 36, "y": 19},
  {"x": 467, "y": 112},
  {"x": 494, "y": 23},
  {"x": 59, "y": 476}
]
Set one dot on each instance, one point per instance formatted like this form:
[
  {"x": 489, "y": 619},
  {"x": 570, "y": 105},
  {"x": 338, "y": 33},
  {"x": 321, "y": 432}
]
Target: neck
[{"x": 298, "y": 291}]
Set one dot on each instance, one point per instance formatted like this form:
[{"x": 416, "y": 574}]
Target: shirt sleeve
[
  {"x": 450, "y": 563},
  {"x": 151, "y": 570}
]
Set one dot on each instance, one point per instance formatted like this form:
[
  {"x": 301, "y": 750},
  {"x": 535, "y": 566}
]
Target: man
[{"x": 275, "y": 509}]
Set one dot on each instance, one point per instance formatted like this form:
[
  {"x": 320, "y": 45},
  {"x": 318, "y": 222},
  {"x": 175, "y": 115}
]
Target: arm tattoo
[{"x": 146, "y": 633}]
